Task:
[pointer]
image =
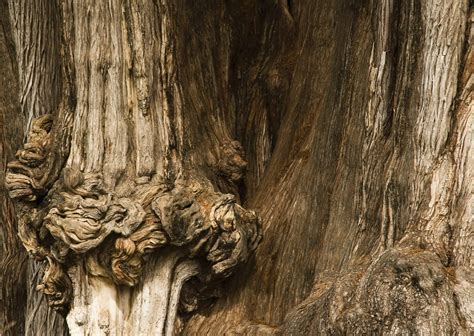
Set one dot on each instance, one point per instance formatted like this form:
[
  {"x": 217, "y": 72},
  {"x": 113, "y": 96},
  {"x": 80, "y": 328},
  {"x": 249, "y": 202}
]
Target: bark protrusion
[
  {"x": 402, "y": 291},
  {"x": 56, "y": 285},
  {"x": 24, "y": 176},
  {"x": 232, "y": 164},
  {"x": 83, "y": 217},
  {"x": 239, "y": 235},
  {"x": 80, "y": 217}
]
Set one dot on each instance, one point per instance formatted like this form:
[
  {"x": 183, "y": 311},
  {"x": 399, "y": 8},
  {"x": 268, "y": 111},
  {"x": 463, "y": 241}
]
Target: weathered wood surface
[
  {"x": 107, "y": 177},
  {"x": 347, "y": 126},
  {"x": 12, "y": 125},
  {"x": 39, "y": 80}
]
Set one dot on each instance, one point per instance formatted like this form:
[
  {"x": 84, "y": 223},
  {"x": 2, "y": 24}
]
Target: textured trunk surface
[
  {"x": 348, "y": 126},
  {"x": 149, "y": 309},
  {"x": 13, "y": 258}
]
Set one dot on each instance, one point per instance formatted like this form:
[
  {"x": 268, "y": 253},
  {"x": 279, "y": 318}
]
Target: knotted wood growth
[
  {"x": 25, "y": 179},
  {"x": 347, "y": 124},
  {"x": 108, "y": 192},
  {"x": 78, "y": 219}
]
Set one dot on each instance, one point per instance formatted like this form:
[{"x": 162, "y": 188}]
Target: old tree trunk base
[
  {"x": 100, "y": 307},
  {"x": 146, "y": 131}
]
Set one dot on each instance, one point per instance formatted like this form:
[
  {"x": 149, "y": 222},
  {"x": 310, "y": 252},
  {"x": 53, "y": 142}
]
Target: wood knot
[
  {"x": 232, "y": 164},
  {"x": 276, "y": 82}
]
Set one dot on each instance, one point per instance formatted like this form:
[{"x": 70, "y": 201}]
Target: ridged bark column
[{"x": 106, "y": 193}]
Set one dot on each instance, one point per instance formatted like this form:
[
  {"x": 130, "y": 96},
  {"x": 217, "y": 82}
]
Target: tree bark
[
  {"x": 347, "y": 126},
  {"x": 13, "y": 258}
]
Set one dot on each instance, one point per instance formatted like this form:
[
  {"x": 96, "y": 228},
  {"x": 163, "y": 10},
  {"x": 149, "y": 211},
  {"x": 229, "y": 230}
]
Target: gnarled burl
[{"x": 79, "y": 228}]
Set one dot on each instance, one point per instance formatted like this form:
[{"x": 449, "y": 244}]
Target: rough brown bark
[
  {"x": 39, "y": 86},
  {"x": 13, "y": 257},
  {"x": 347, "y": 126},
  {"x": 360, "y": 196}
]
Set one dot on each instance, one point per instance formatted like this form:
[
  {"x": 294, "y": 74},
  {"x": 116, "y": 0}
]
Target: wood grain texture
[
  {"x": 363, "y": 174},
  {"x": 12, "y": 123},
  {"x": 35, "y": 28},
  {"x": 347, "y": 126},
  {"x": 79, "y": 199},
  {"x": 37, "y": 42}
]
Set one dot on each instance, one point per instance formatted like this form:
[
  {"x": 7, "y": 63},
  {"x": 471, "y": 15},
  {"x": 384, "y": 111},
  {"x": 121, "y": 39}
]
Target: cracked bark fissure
[{"x": 347, "y": 126}]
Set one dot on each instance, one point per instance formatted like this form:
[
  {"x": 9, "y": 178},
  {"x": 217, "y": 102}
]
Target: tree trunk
[{"x": 151, "y": 128}]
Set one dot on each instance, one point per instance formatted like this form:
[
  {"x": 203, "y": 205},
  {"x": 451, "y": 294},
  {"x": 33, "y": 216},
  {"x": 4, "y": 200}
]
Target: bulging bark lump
[{"x": 79, "y": 220}]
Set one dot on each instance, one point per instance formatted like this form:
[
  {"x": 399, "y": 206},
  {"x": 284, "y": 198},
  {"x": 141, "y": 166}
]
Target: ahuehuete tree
[{"x": 148, "y": 146}]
